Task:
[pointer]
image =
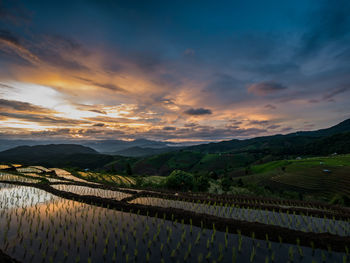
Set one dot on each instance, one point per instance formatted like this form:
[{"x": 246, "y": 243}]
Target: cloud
[
  {"x": 12, "y": 45},
  {"x": 40, "y": 119},
  {"x": 98, "y": 111},
  {"x": 266, "y": 88},
  {"x": 286, "y": 129},
  {"x": 8, "y": 36},
  {"x": 61, "y": 52},
  {"x": 329, "y": 95},
  {"x": 330, "y": 23},
  {"x": 257, "y": 122},
  {"x": 147, "y": 62},
  {"x": 66, "y": 44},
  {"x": 109, "y": 86},
  {"x": 4, "y": 86},
  {"x": 56, "y": 51},
  {"x": 270, "y": 106},
  {"x": 22, "y": 106},
  {"x": 198, "y": 111},
  {"x": 272, "y": 127},
  {"x": 174, "y": 75},
  {"x": 13, "y": 12},
  {"x": 98, "y": 124},
  {"x": 169, "y": 128},
  {"x": 191, "y": 125}
]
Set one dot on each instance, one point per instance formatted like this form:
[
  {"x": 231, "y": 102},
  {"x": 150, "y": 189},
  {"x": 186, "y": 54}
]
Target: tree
[
  {"x": 226, "y": 183},
  {"x": 180, "y": 180},
  {"x": 240, "y": 183},
  {"x": 201, "y": 182},
  {"x": 128, "y": 169}
]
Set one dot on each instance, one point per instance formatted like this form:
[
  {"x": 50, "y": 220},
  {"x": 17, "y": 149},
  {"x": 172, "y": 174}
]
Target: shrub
[
  {"x": 128, "y": 169},
  {"x": 139, "y": 181},
  {"x": 340, "y": 199},
  {"x": 180, "y": 180},
  {"x": 240, "y": 183},
  {"x": 201, "y": 182},
  {"x": 226, "y": 183},
  {"x": 213, "y": 175}
]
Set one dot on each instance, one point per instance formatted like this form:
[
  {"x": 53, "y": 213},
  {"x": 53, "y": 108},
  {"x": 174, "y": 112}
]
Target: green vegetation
[
  {"x": 180, "y": 180},
  {"x": 323, "y": 178}
]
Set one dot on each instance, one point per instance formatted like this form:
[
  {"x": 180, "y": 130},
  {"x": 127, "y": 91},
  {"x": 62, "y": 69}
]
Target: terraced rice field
[
  {"x": 84, "y": 190},
  {"x": 29, "y": 170},
  {"x": 4, "y": 166},
  {"x": 16, "y": 178},
  {"x": 45, "y": 221},
  {"x": 314, "y": 179},
  {"x": 324, "y": 176},
  {"x": 108, "y": 178},
  {"x": 288, "y": 220}
]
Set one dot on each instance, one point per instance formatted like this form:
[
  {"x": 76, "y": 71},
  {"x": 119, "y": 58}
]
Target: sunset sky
[{"x": 172, "y": 70}]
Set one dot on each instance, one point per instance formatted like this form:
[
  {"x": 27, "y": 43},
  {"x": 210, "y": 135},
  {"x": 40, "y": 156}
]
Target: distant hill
[
  {"x": 315, "y": 177},
  {"x": 54, "y": 155},
  {"x": 337, "y": 143},
  {"x": 292, "y": 143},
  {"x": 115, "y": 146},
  {"x": 102, "y": 146},
  {"x": 343, "y": 126},
  {"x": 141, "y": 152},
  {"x": 234, "y": 157},
  {"x": 50, "y": 149}
]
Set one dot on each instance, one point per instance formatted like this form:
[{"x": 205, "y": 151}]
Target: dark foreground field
[{"x": 50, "y": 218}]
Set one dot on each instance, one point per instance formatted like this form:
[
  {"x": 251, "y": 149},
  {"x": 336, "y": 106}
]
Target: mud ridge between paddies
[{"x": 260, "y": 230}]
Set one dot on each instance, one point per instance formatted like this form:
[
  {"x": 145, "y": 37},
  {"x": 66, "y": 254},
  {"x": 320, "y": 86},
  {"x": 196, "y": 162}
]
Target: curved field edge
[
  {"x": 315, "y": 209},
  {"x": 320, "y": 210},
  {"x": 261, "y": 231},
  {"x": 339, "y": 215}
]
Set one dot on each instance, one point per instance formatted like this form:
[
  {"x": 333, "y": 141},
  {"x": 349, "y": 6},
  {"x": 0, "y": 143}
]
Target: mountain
[
  {"x": 343, "y": 126},
  {"x": 291, "y": 143},
  {"x": 337, "y": 143},
  {"x": 55, "y": 155},
  {"x": 102, "y": 146},
  {"x": 234, "y": 157},
  {"x": 115, "y": 146},
  {"x": 140, "y": 151},
  {"x": 50, "y": 149},
  {"x": 6, "y": 144}
]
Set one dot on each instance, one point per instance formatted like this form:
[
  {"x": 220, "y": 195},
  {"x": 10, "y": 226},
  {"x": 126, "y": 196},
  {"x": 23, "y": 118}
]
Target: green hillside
[{"x": 321, "y": 177}]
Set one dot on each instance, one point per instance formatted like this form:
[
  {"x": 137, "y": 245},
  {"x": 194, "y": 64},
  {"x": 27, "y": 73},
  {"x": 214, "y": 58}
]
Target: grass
[
  {"x": 315, "y": 179},
  {"x": 222, "y": 162},
  {"x": 155, "y": 179},
  {"x": 266, "y": 167},
  {"x": 321, "y": 176}
]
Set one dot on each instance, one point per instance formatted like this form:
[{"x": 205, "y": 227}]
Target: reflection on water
[
  {"x": 288, "y": 220},
  {"x": 83, "y": 190},
  {"x": 12, "y": 196},
  {"x": 43, "y": 228},
  {"x": 16, "y": 178}
]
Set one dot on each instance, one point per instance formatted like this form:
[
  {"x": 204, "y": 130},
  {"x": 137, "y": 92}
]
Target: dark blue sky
[{"x": 173, "y": 70}]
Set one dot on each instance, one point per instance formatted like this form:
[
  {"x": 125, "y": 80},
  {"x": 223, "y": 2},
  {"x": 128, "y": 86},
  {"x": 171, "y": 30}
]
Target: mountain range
[
  {"x": 152, "y": 157},
  {"x": 102, "y": 146}
]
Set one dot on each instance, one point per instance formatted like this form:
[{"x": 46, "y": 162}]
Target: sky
[{"x": 179, "y": 71}]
